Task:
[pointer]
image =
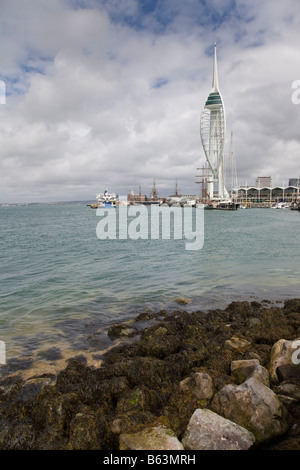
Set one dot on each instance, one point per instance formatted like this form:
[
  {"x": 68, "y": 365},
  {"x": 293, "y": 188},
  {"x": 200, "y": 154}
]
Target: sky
[{"x": 108, "y": 94}]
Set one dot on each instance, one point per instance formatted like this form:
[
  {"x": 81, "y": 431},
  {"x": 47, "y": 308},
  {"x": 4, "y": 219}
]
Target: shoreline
[
  {"x": 146, "y": 380},
  {"x": 89, "y": 337}
]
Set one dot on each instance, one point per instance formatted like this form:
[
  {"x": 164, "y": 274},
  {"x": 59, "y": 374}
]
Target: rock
[
  {"x": 288, "y": 402},
  {"x": 135, "y": 399},
  {"x": 201, "y": 386},
  {"x": 282, "y": 352},
  {"x": 32, "y": 387},
  {"x": 288, "y": 372},
  {"x": 253, "y": 406},
  {"x": 159, "y": 341},
  {"x": 291, "y": 305},
  {"x": 144, "y": 316},
  {"x": 253, "y": 355},
  {"x": 83, "y": 431},
  {"x": 273, "y": 325},
  {"x": 261, "y": 374},
  {"x": 242, "y": 369},
  {"x": 237, "y": 343},
  {"x": 121, "y": 329},
  {"x": 209, "y": 431},
  {"x": 253, "y": 321},
  {"x": 182, "y": 300},
  {"x": 162, "y": 330},
  {"x": 291, "y": 390},
  {"x": 152, "y": 438}
]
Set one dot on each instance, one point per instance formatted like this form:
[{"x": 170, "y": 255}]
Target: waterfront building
[
  {"x": 212, "y": 133},
  {"x": 294, "y": 182},
  {"x": 264, "y": 182},
  {"x": 257, "y": 194},
  {"x": 132, "y": 197}
]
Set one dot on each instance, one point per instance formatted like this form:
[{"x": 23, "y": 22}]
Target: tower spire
[
  {"x": 215, "y": 83},
  {"x": 212, "y": 132}
]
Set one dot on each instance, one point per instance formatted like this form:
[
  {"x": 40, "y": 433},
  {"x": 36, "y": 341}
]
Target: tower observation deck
[{"x": 212, "y": 133}]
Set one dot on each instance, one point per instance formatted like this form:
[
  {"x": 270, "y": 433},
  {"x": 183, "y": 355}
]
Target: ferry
[{"x": 106, "y": 199}]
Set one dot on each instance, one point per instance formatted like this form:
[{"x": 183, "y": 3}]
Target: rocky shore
[{"x": 223, "y": 380}]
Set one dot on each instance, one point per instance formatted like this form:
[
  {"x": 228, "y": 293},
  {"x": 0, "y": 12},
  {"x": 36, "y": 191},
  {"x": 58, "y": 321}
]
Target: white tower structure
[{"x": 212, "y": 132}]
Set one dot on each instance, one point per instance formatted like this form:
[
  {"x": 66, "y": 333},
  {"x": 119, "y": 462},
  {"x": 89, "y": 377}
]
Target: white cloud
[{"x": 98, "y": 97}]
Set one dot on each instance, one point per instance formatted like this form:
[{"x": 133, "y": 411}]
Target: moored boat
[
  {"x": 281, "y": 205},
  {"x": 295, "y": 206},
  {"x": 224, "y": 204}
]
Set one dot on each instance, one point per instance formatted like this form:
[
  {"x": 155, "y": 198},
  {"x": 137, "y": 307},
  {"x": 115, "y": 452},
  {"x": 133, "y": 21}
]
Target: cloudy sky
[{"x": 108, "y": 93}]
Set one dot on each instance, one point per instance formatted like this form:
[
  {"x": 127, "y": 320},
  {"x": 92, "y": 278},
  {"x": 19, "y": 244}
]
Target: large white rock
[
  {"x": 254, "y": 406},
  {"x": 209, "y": 431}
]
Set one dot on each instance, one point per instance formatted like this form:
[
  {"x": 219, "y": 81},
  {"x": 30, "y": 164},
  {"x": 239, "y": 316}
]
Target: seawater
[{"x": 61, "y": 285}]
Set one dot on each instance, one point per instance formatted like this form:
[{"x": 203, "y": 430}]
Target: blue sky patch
[{"x": 160, "y": 82}]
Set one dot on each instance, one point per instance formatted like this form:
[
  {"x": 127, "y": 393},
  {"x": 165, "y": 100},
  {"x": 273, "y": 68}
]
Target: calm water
[{"x": 59, "y": 283}]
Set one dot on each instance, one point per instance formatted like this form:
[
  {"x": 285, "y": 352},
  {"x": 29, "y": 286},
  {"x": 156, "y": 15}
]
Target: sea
[{"x": 62, "y": 285}]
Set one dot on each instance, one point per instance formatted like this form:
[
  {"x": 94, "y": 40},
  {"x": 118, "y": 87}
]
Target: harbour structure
[
  {"x": 139, "y": 198},
  {"x": 264, "y": 182},
  {"x": 268, "y": 194},
  {"x": 136, "y": 199},
  {"x": 212, "y": 133},
  {"x": 294, "y": 182}
]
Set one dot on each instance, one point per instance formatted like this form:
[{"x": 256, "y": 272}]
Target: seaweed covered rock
[
  {"x": 152, "y": 438},
  {"x": 122, "y": 330},
  {"x": 200, "y": 384},
  {"x": 273, "y": 325}
]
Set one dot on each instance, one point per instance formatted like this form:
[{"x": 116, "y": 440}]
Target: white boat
[
  {"x": 224, "y": 204},
  {"x": 281, "y": 205},
  {"x": 190, "y": 203}
]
